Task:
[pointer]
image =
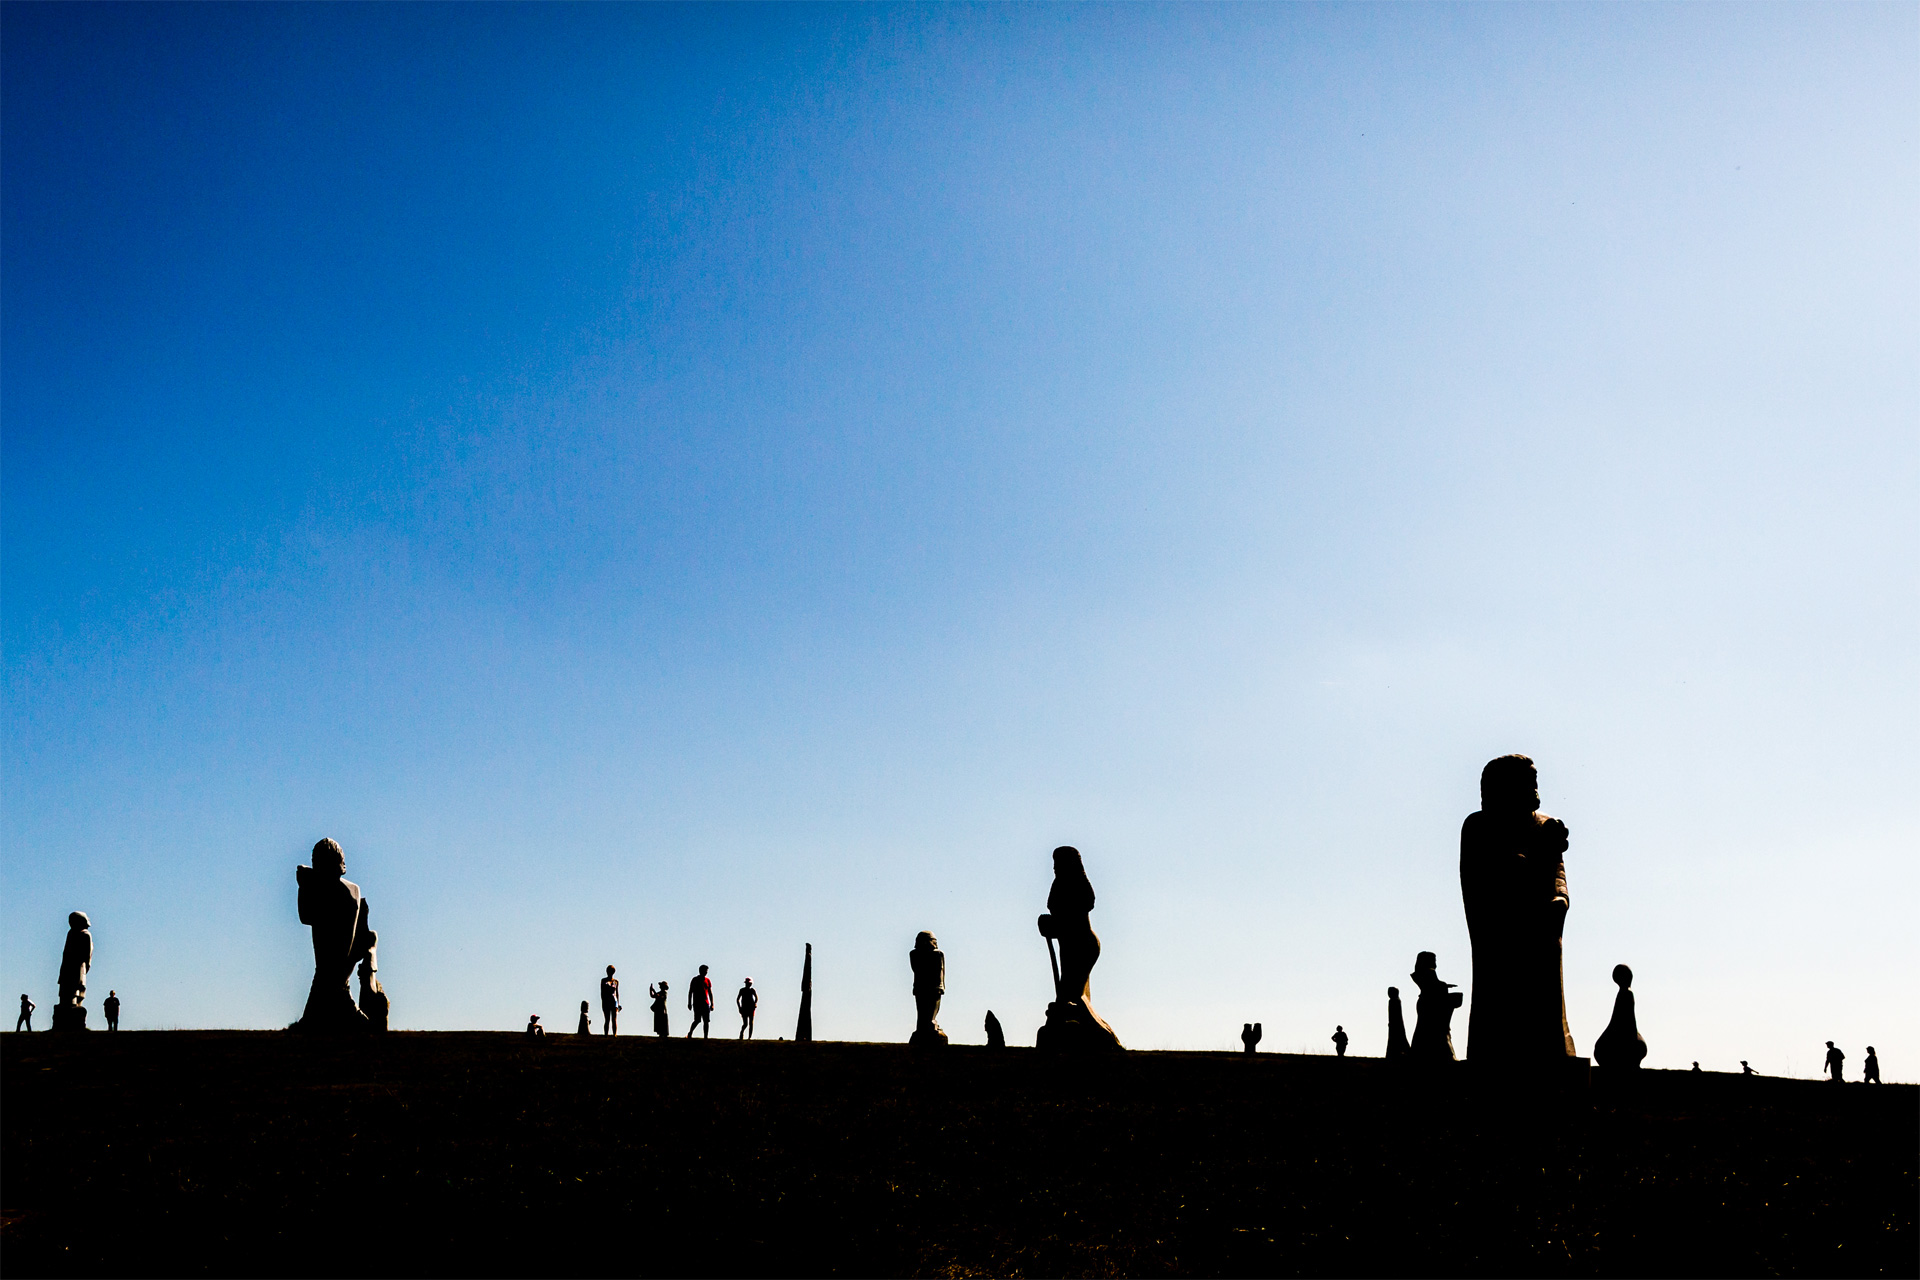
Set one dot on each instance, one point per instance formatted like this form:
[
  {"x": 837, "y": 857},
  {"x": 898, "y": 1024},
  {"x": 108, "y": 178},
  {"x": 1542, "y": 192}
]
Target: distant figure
[
  {"x": 610, "y": 1004},
  {"x": 1696, "y": 1067},
  {"x": 1250, "y": 1034},
  {"x": 658, "y": 994},
  {"x": 1072, "y": 1025},
  {"x": 586, "y": 1022},
  {"x": 1870, "y": 1069},
  {"x": 533, "y": 1026},
  {"x": 746, "y": 1002},
  {"x": 1836, "y": 1063},
  {"x": 1433, "y": 1012},
  {"x": 929, "y": 965},
  {"x": 803, "y": 1030},
  {"x": 1621, "y": 1044},
  {"x": 700, "y": 1000},
  {"x": 1746, "y": 1070},
  {"x": 1513, "y": 881},
  {"x": 1340, "y": 1042},
  {"x": 996, "y": 1038},
  {"x": 334, "y": 908},
  {"x": 70, "y": 1013},
  {"x": 111, "y": 1007},
  {"x": 1396, "y": 1026},
  {"x": 25, "y": 1020}
]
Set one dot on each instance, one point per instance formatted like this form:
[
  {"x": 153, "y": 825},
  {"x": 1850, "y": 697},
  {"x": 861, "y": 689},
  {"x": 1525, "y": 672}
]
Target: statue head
[
  {"x": 328, "y": 859},
  {"x": 925, "y": 942},
  {"x": 1425, "y": 960},
  {"x": 1509, "y": 784},
  {"x": 1067, "y": 858},
  {"x": 1393, "y": 993},
  {"x": 583, "y": 1006},
  {"x": 78, "y": 920},
  {"x": 1622, "y": 976}
]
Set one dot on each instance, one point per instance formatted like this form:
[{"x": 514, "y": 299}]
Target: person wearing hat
[
  {"x": 746, "y": 1002},
  {"x": 533, "y": 1025}
]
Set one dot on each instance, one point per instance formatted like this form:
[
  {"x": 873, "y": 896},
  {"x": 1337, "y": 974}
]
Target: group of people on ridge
[{"x": 699, "y": 1000}]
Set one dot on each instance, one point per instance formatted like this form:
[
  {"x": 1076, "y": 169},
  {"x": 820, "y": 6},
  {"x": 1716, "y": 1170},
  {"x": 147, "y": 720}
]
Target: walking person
[
  {"x": 658, "y": 994},
  {"x": 26, "y": 1013},
  {"x": 1870, "y": 1069},
  {"x": 700, "y": 1000},
  {"x": 1836, "y": 1064},
  {"x": 610, "y": 1003},
  {"x": 746, "y": 1002},
  {"x": 111, "y": 1007}
]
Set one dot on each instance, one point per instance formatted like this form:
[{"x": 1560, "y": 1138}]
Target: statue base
[
  {"x": 1074, "y": 1028},
  {"x": 330, "y": 1011},
  {"x": 928, "y": 1038},
  {"x": 70, "y": 1017}
]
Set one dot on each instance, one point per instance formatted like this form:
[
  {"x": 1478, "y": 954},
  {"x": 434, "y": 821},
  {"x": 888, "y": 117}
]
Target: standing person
[
  {"x": 111, "y": 1007},
  {"x": 1870, "y": 1069},
  {"x": 1836, "y": 1063},
  {"x": 586, "y": 1022},
  {"x": 26, "y": 1013},
  {"x": 700, "y": 1000},
  {"x": 659, "y": 996},
  {"x": 1340, "y": 1038},
  {"x": 746, "y": 1002},
  {"x": 1396, "y": 1026},
  {"x": 610, "y": 1003}
]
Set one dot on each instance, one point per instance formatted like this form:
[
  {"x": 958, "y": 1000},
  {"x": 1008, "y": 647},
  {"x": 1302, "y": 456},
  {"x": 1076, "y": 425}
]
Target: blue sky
[{"x": 666, "y": 485}]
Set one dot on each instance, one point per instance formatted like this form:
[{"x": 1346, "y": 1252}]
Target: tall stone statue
[
  {"x": 803, "y": 1033},
  {"x": 1433, "y": 1011},
  {"x": 1072, "y": 1025},
  {"x": 75, "y": 959},
  {"x": 1396, "y": 1026},
  {"x": 333, "y": 908},
  {"x": 1621, "y": 1044},
  {"x": 929, "y": 984},
  {"x": 1513, "y": 881}
]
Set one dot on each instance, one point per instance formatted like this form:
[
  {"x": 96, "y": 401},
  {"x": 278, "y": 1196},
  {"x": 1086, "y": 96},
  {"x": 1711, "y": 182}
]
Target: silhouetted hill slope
[{"x": 464, "y": 1153}]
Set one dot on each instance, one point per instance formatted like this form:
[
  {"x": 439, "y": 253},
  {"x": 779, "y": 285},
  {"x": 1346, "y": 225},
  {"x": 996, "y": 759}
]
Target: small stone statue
[
  {"x": 586, "y": 1022},
  {"x": 1340, "y": 1039},
  {"x": 1072, "y": 1025},
  {"x": 332, "y": 906},
  {"x": 70, "y": 1014},
  {"x": 1513, "y": 882},
  {"x": 803, "y": 1032},
  {"x": 1396, "y": 1026},
  {"x": 996, "y": 1038},
  {"x": 1621, "y": 1045},
  {"x": 373, "y": 996},
  {"x": 929, "y": 984},
  {"x": 1250, "y": 1034},
  {"x": 1433, "y": 1028}
]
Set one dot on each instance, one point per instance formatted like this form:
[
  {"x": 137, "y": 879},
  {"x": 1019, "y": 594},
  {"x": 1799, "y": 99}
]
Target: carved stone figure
[
  {"x": 1250, "y": 1034},
  {"x": 929, "y": 965},
  {"x": 70, "y": 1014},
  {"x": 373, "y": 996},
  {"x": 1396, "y": 1026},
  {"x": 1433, "y": 1028},
  {"x": 1621, "y": 1044},
  {"x": 1072, "y": 1025},
  {"x": 1513, "y": 880},
  {"x": 803, "y": 1032},
  {"x": 996, "y": 1038},
  {"x": 333, "y": 908}
]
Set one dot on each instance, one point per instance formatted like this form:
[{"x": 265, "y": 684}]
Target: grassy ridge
[{"x": 484, "y": 1153}]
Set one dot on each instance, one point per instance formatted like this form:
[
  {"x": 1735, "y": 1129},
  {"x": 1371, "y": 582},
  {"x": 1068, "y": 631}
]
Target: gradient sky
[{"x": 667, "y": 485}]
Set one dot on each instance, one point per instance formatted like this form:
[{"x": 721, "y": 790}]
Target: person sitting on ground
[
  {"x": 659, "y": 995},
  {"x": 111, "y": 1007},
  {"x": 1696, "y": 1067},
  {"x": 1340, "y": 1038},
  {"x": 533, "y": 1026},
  {"x": 610, "y": 1003},
  {"x": 26, "y": 1013},
  {"x": 746, "y": 1002},
  {"x": 1836, "y": 1063},
  {"x": 1870, "y": 1069},
  {"x": 700, "y": 1000}
]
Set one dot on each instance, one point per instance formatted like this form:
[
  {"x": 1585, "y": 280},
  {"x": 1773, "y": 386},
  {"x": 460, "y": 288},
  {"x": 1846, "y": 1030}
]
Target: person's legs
[
  {"x": 750, "y": 1026},
  {"x": 706, "y": 1023},
  {"x": 23, "y": 1021}
]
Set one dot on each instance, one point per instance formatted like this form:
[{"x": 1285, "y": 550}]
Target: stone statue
[
  {"x": 803, "y": 1033},
  {"x": 996, "y": 1038},
  {"x": 373, "y": 996},
  {"x": 1621, "y": 1044},
  {"x": 1396, "y": 1026},
  {"x": 1513, "y": 881},
  {"x": 1072, "y": 1025},
  {"x": 70, "y": 1014},
  {"x": 1433, "y": 1028},
  {"x": 1250, "y": 1034},
  {"x": 929, "y": 984},
  {"x": 333, "y": 908}
]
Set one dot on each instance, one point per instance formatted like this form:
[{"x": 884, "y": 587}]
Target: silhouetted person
[
  {"x": 1696, "y": 1067},
  {"x": 700, "y": 1000},
  {"x": 1396, "y": 1026},
  {"x": 996, "y": 1038},
  {"x": 1621, "y": 1044},
  {"x": 70, "y": 1013},
  {"x": 111, "y": 1007},
  {"x": 533, "y": 1026},
  {"x": 610, "y": 1004},
  {"x": 1433, "y": 1011},
  {"x": 586, "y": 1021},
  {"x": 659, "y": 996},
  {"x": 1071, "y": 1021},
  {"x": 1339, "y": 1042},
  {"x": 334, "y": 908},
  {"x": 1513, "y": 880},
  {"x": 1836, "y": 1067},
  {"x": 25, "y": 1021},
  {"x": 1870, "y": 1069},
  {"x": 1746, "y": 1070},
  {"x": 746, "y": 1002},
  {"x": 1250, "y": 1034},
  {"x": 929, "y": 965}
]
